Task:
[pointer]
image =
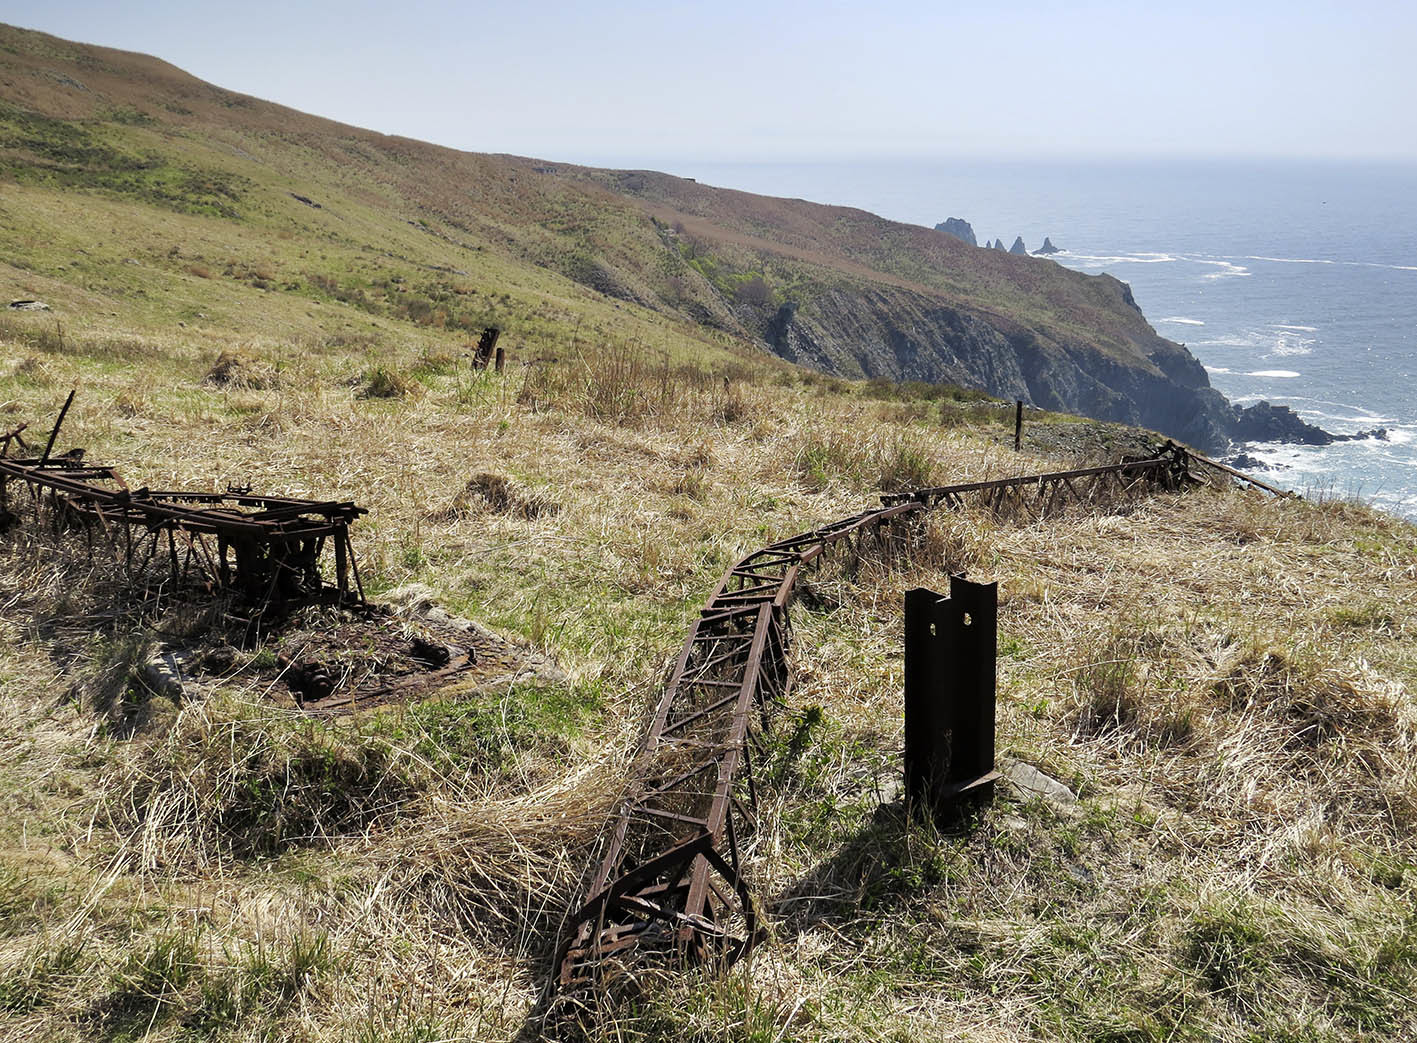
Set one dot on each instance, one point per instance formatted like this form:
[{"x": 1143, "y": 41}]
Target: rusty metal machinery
[{"x": 262, "y": 549}]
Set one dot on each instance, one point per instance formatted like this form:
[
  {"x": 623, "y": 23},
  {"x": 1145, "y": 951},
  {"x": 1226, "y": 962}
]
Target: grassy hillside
[
  {"x": 1224, "y": 680},
  {"x": 414, "y": 230}
]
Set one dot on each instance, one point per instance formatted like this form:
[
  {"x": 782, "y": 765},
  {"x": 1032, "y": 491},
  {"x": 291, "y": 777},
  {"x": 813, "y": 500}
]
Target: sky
[{"x": 644, "y": 83}]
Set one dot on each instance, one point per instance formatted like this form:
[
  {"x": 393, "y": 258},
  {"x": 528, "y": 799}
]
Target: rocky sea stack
[{"x": 959, "y": 228}]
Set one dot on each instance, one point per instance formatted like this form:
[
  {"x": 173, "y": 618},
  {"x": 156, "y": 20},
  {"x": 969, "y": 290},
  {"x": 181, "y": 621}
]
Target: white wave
[
  {"x": 1227, "y": 270},
  {"x": 1303, "y": 460},
  {"x": 1217, "y": 369},
  {"x": 1292, "y": 260},
  {"x": 1268, "y": 341},
  {"x": 1181, "y": 320},
  {"x": 1291, "y": 326},
  {"x": 1284, "y": 373},
  {"x": 1297, "y": 346},
  {"x": 1250, "y": 340},
  {"x": 1325, "y": 260},
  {"x": 1363, "y": 420},
  {"x": 1402, "y": 436},
  {"x": 1093, "y": 260},
  {"x": 1368, "y": 414}
]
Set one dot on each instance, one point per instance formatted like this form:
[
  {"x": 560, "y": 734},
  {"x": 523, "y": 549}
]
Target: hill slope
[{"x": 838, "y": 289}]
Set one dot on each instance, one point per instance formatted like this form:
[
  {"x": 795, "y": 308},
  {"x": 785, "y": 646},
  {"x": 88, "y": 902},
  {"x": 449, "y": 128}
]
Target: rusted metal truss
[
  {"x": 261, "y": 549},
  {"x": 670, "y": 880},
  {"x": 1039, "y": 496}
]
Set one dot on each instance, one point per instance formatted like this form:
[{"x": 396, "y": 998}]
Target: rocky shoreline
[{"x": 1264, "y": 422}]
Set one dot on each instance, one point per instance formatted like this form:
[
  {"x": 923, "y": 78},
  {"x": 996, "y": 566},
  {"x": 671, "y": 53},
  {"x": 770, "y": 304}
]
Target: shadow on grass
[{"x": 897, "y": 855}]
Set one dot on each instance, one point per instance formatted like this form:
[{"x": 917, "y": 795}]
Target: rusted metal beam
[
  {"x": 732, "y": 667},
  {"x": 1233, "y": 473}
]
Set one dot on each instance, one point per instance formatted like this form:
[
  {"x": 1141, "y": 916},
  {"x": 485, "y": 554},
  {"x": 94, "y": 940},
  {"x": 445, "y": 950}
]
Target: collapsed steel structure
[
  {"x": 263, "y": 550},
  {"x": 670, "y": 881},
  {"x": 671, "y": 878}
]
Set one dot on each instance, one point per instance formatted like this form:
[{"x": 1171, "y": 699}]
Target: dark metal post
[
  {"x": 950, "y": 648},
  {"x": 1018, "y": 424},
  {"x": 49, "y": 446},
  {"x": 485, "y": 346}
]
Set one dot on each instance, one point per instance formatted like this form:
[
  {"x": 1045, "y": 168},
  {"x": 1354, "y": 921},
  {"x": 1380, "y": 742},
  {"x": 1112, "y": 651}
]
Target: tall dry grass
[{"x": 1233, "y": 716}]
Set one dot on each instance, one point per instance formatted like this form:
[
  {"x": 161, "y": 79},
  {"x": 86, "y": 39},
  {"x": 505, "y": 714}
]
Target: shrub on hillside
[
  {"x": 238, "y": 371},
  {"x": 382, "y": 382}
]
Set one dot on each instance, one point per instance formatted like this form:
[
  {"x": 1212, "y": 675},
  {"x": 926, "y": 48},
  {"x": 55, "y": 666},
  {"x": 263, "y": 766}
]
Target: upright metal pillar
[
  {"x": 950, "y": 648},
  {"x": 485, "y": 346}
]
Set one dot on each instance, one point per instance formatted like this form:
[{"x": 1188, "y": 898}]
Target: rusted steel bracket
[{"x": 950, "y": 648}]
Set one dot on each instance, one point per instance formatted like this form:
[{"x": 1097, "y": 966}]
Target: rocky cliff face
[{"x": 902, "y": 335}]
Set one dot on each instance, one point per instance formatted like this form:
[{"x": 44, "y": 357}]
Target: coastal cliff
[
  {"x": 902, "y": 335},
  {"x": 853, "y": 294}
]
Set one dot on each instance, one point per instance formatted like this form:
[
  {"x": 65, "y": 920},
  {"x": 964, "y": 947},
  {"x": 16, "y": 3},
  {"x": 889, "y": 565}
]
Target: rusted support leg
[
  {"x": 341, "y": 564},
  {"x": 172, "y": 558},
  {"x": 49, "y": 446},
  {"x": 223, "y": 566},
  {"x": 354, "y": 568}
]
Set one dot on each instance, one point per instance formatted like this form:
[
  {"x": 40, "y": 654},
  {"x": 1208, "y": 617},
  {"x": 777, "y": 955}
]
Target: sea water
[{"x": 1294, "y": 282}]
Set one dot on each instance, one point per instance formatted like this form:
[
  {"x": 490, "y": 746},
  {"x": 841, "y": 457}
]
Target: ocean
[{"x": 1294, "y": 282}]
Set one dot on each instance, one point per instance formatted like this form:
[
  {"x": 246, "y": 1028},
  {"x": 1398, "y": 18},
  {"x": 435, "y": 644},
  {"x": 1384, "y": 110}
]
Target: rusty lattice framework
[
  {"x": 670, "y": 881},
  {"x": 671, "y": 877},
  {"x": 261, "y": 549}
]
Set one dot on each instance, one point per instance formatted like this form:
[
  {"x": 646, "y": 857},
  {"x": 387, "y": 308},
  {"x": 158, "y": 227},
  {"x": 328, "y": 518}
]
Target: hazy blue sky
[{"x": 644, "y": 82}]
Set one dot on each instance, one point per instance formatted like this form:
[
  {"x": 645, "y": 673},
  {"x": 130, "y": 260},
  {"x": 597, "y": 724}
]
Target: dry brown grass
[
  {"x": 500, "y": 495},
  {"x": 239, "y": 371},
  {"x": 1235, "y": 716}
]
